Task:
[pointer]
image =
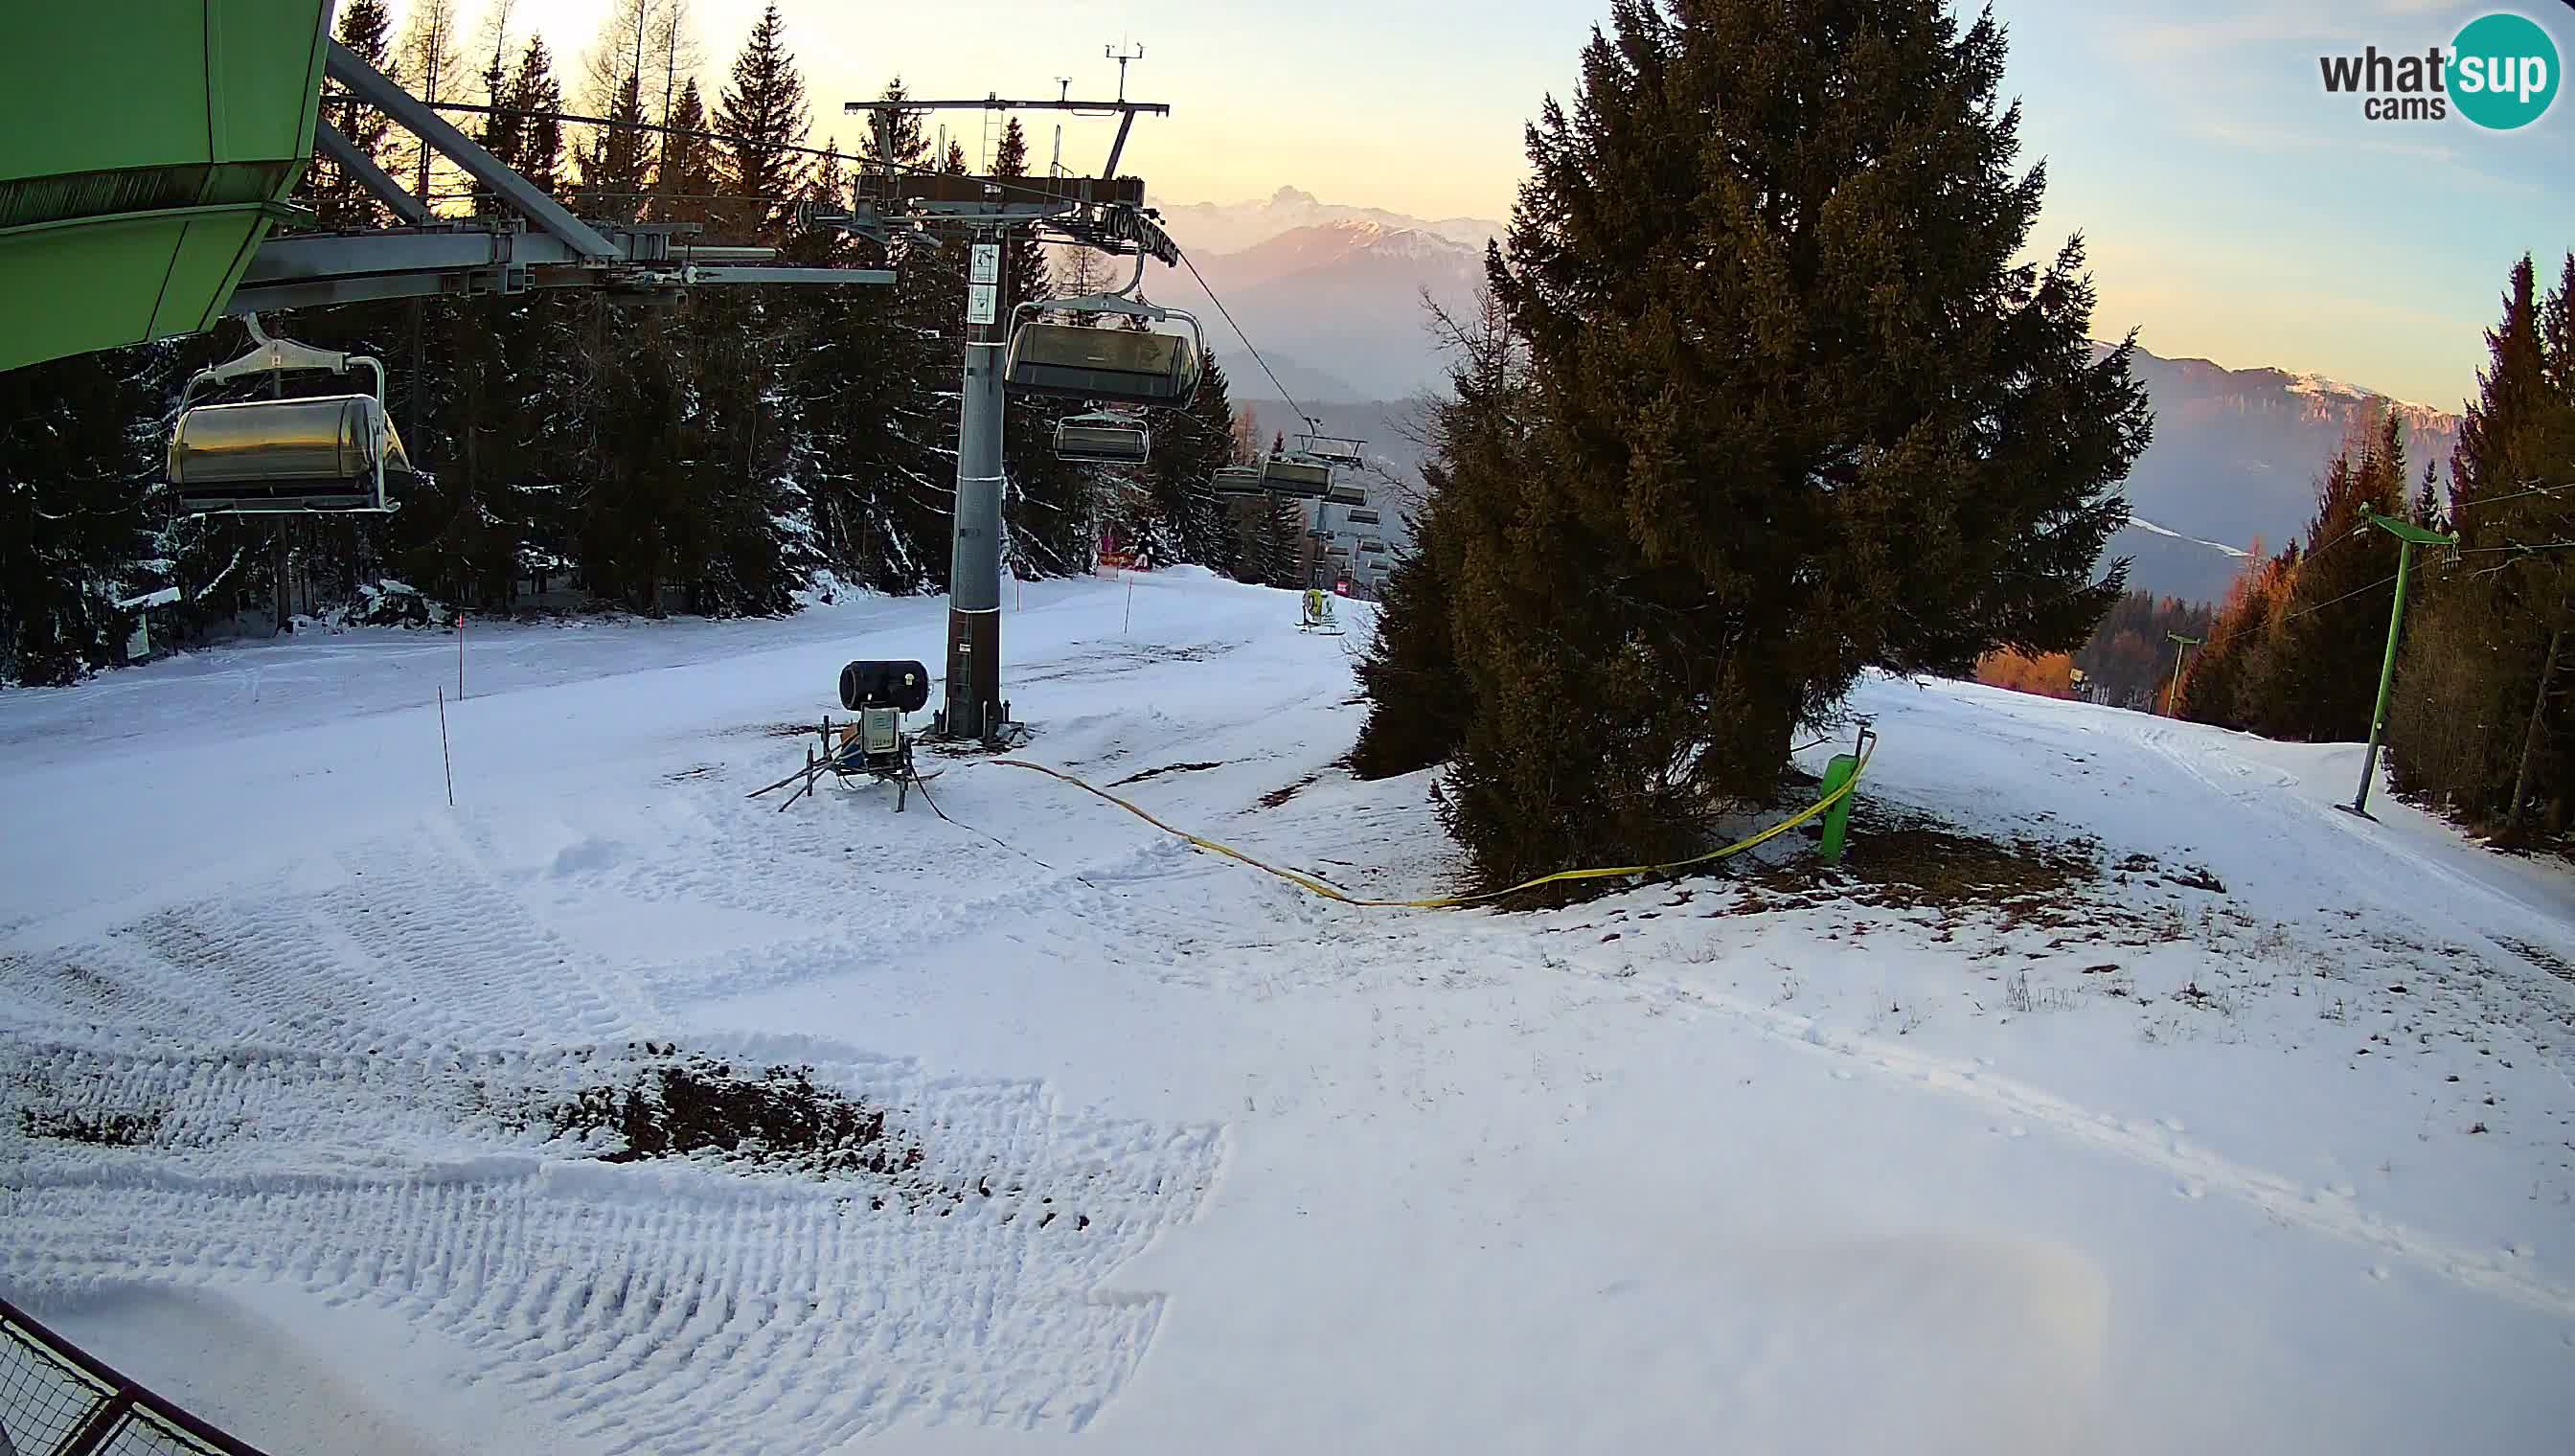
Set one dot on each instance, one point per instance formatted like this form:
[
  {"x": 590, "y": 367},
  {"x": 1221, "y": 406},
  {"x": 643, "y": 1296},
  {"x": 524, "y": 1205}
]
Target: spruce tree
[
  {"x": 1190, "y": 445},
  {"x": 1802, "y": 414},
  {"x": 2427, "y": 512},
  {"x": 2213, "y": 685},
  {"x": 1420, "y": 698},
  {"x": 503, "y": 128},
  {"x": 875, "y": 377},
  {"x": 762, "y": 114},
  {"x": 2318, "y": 675},
  {"x": 75, "y": 463},
  {"x": 1053, "y": 505},
  {"x": 2478, "y": 724},
  {"x": 535, "y": 92},
  {"x": 332, "y": 191},
  {"x": 685, "y": 183},
  {"x": 616, "y": 163}
]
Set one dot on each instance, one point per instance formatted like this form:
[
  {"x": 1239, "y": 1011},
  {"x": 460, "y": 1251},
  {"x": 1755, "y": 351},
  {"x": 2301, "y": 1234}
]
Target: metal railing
[{"x": 58, "y": 1400}]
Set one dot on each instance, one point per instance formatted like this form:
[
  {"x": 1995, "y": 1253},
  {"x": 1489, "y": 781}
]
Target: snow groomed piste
[{"x": 2103, "y": 1099}]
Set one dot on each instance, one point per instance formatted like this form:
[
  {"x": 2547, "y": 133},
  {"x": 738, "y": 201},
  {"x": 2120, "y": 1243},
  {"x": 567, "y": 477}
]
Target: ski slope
[{"x": 2260, "y": 1139}]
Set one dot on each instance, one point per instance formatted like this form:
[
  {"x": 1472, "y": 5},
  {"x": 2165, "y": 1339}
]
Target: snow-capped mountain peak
[{"x": 1210, "y": 226}]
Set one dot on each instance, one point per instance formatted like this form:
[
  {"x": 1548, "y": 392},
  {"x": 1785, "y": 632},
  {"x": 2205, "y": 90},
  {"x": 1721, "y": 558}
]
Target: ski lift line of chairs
[
  {"x": 328, "y": 452},
  {"x": 1308, "y": 470}
]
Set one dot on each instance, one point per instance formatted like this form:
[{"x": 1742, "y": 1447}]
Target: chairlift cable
[
  {"x": 2345, "y": 596},
  {"x": 1255, "y": 349}
]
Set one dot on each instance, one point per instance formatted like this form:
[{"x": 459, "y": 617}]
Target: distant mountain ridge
[
  {"x": 2235, "y": 460},
  {"x": 1332, "y": 297},
  {"x": 1210, "y": 227}
]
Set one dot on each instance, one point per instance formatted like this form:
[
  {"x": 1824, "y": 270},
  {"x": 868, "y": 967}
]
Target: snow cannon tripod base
[{"x": 875, "y": 745}]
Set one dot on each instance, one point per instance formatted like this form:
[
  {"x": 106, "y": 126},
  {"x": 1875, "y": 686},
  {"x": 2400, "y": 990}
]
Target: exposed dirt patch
[
  {"x": 686, "y": 1105},
  {"x": 1277, "y": 796},
  {"x": 1920, "y": 864},
  {"x": 2069, "y": 887},
  {"x": 99, "y": 1128},
  {"x": 1166, "y": 769}
]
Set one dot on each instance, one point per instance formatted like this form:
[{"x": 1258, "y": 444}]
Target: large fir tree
[
  {"x": 762, "y": 115},
  {"x": 1801, "y": 413}
]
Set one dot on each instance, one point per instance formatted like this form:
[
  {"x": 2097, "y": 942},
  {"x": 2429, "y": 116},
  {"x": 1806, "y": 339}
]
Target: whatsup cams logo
[{"x": 2501, "y": 73}]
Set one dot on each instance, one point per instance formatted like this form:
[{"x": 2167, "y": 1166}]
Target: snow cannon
[{"x": 903, "y": 686}]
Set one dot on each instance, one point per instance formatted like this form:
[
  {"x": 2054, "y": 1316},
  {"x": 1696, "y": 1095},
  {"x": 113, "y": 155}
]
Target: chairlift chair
[
  {"x": 1289, "y": 475},
  {"x": 328, "y": 452},
  {"x": 1102, "y": 439},
  {"x": 1362, "y": 516},
  {"x": 1238, "y": 480},
  {"x": 1342, "y": 493},
  {"x": 1108, "y": 365}
]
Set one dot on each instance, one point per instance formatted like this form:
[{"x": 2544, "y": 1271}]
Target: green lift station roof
[{"x": 146, "y": 148}]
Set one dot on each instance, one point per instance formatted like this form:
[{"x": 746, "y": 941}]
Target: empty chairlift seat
[
  {"x": 1102, "y": 442},
  {"x": 1362, "y": 516},
  {"x": 1285, "y": 475},
  {"x": 330, "y": 453},
  {"x": 1118, "y": 366},
  {"x": 1342, "y": 493},
  {"x": 1238, "y": 480}
]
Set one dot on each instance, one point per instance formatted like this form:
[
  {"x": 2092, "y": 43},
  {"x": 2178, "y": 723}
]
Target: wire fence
[{"x": 57, "y": 1400}]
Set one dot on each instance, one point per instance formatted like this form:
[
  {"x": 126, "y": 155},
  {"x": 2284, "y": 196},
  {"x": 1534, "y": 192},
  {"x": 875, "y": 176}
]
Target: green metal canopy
[{"x": 146, "y": 148}]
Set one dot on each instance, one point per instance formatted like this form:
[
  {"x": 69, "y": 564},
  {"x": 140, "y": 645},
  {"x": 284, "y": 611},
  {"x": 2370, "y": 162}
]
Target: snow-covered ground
[{"x": 2256, "y": 1140}]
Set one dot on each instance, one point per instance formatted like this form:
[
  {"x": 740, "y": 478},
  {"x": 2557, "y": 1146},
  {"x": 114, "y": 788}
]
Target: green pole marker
[
  {"x": 1837, "y": 777},
  {"x": 2410, "y": 536}
]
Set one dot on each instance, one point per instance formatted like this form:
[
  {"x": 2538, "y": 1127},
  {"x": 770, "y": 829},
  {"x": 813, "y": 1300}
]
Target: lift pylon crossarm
[
  {"x": 463, "y": 260},
  {"x": 526, "y": 197},
  {"x": 375, "y": 179},
  {"x": 997, "y": 103},
  {"x": 946, "y": 189}
]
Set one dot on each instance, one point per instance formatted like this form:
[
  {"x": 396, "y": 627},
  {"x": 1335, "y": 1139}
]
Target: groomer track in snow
[{"x": 2117, "y": 1095}]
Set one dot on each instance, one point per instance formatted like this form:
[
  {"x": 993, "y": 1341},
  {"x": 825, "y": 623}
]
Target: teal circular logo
[{"x": 2503, "y": 71}]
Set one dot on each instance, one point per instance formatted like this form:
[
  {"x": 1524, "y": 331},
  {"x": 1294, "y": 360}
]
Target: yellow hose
[{"x": 1316, "y": 887}]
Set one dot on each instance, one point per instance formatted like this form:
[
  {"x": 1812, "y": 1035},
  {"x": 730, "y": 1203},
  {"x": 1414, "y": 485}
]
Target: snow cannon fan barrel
[{"x": 904, "y": 687}]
